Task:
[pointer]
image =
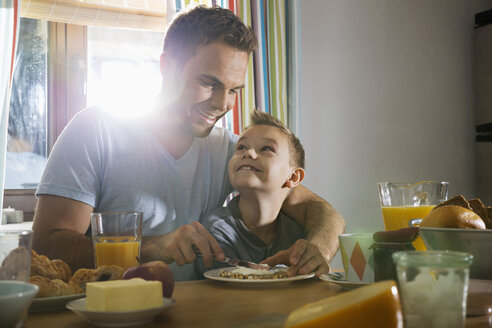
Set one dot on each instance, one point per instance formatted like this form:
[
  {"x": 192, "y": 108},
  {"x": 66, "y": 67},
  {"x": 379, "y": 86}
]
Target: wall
[{"x": 386, "y": 95}]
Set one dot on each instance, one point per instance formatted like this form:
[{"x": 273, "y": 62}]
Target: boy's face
[
  {"x": 261, "y": 161},
  {"x": 205, "y": 88}
]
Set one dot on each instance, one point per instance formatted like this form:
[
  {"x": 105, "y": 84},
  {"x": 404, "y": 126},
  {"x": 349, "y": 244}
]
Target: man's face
[
  {"x": 205, "y": 88},
  {"x": 261, "y": 160}
]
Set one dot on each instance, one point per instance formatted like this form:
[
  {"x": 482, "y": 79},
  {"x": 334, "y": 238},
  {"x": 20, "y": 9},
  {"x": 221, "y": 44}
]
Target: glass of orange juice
[
  {"x": 116, "y": 238},
  {"x": 401, "y": 202}
]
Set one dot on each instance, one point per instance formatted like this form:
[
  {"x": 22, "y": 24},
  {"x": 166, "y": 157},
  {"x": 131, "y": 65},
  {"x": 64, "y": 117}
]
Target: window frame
[
  {"x": 66, "y": 96},
  {"x": 67, "y": 76}
]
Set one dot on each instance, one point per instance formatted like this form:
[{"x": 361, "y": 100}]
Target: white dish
[
  {"x": 15, "y": 298},
  {"x": 479, "y": 286},
  {"x": 117, "y": 319},
  {"x": 55, "y": 303},
  {"x": 343, "y": 282},
  {"x": 479, "y": 302},
  {"x": 214, "y": 275}
]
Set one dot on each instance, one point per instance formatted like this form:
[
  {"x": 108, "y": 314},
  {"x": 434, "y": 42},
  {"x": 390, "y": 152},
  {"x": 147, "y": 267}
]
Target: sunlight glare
[{"x": 125, "y": 89}]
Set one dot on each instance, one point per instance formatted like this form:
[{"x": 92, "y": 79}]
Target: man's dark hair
[
  {"x": 296, "y": 150},
  {"x": 203, "y": 25}
]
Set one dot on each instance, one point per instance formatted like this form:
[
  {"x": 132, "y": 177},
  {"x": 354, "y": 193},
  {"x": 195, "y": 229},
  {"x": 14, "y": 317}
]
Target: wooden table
[{"x": 215, "y": 304}]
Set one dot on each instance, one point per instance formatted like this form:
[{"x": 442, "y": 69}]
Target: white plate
[
  {"x": 343, "y": 283},
  {"x": 55, "y": 303},
  {"x": 479, "y": 286},
  {"x": 116, "y": 319},
  {"x": 479, "y": 301},
  {"x": 214, "y": 275}
]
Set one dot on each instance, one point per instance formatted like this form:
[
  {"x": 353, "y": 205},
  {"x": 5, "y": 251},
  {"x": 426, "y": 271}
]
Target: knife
[
  {"x": 242, "y": 263},
  {"x": 235, "y": 262}
]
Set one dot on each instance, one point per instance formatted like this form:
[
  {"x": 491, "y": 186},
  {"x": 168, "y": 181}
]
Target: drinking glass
[
  {"x": 401, "y": 202},
  {"x": 15, "y": 254},
  {"x": 116, "y": 237},
  {"x": 433, "y": 287},
  {"x": 357, "y": 256},
  {"x": 15, "y": 267}
]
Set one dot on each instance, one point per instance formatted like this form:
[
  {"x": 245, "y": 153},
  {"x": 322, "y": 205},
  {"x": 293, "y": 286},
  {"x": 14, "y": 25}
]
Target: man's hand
[
  {"x": 177, "y": 246},
  {"x": 320, "y": 220},
  {"x": 303, "y": 257}
]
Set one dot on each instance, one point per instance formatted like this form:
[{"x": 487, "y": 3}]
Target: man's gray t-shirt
[
  {"x": 116, "y": 164},
  {"x": 237, "y": 241}
]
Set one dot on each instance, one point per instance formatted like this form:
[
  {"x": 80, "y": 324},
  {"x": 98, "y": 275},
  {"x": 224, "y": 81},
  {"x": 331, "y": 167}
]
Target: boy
[{"x": 267, "y": 164}]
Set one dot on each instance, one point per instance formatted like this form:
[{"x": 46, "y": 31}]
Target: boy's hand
[{"x": 303, "y": 257}]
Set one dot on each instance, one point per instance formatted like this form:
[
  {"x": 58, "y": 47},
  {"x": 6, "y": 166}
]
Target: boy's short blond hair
[{"x": 296, "y": 150}]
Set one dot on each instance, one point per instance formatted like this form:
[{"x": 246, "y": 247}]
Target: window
[
  {"x": 60, "y": 69},
  {"x": 27, "y": 131}
]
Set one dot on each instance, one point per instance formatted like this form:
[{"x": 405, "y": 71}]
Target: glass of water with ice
[{"x": 433, "y": 287}]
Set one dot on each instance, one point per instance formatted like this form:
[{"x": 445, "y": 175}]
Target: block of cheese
[
  {"x": 124, "y": 295},
  {"x": 375, "y": 305}
]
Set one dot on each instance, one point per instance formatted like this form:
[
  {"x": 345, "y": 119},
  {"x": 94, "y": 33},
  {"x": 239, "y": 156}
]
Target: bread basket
[{"x": 476, "y": 241}]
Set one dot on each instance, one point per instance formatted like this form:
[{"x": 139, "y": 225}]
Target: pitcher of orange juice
[
  {"x": 401, "y": 202},
  {"x": 116, "y": 238}
]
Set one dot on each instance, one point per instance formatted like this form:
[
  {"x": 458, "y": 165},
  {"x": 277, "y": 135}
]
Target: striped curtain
[
  {"x": 293, "y": 64},
  {"x": 9, "y": 22},
  {"x": 266, "y": 79}
]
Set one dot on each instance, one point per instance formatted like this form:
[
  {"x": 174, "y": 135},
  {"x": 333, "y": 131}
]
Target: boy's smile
[{"x": 247, "y": 167}]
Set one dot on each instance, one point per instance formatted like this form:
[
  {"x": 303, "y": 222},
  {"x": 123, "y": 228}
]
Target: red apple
[{"x": 155, "y": 270}]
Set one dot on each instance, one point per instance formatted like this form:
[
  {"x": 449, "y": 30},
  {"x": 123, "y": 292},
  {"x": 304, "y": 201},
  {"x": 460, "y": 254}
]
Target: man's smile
[{"x": 207, "y": 117}]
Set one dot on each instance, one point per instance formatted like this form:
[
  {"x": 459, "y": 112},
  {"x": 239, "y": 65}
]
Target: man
[{"x": 171, "y": 165}]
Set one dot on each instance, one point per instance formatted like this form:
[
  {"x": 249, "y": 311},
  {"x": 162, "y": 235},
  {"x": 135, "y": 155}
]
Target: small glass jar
[
  {"x": 433, "y": 287},
  {"x": 384, "y": 267}
]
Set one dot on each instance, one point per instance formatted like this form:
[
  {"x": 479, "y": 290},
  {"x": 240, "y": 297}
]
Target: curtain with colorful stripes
[
  {"x": 277, "y": 70},
  {"x": 9, "y": 22},
  {"x": 266, "y": 79},
  {"x": 247, "y": 99},
  {"x": 293, "y": 15}
]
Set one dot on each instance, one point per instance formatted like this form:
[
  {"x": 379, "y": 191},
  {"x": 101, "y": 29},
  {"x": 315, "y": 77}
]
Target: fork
[{"x": 337, "y": 276}]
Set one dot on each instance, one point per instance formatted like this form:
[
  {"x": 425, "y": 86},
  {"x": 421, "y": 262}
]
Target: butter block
[
  {"x": 375, "y": 305},
  {"x": 124, "y": 295}
]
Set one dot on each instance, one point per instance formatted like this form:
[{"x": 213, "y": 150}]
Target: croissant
[
  {"x": 109, "y": 272},
  {"x": 54, "y": 277},
  {"x": 54, "y": 287},
  {"x": 63, "y": 269},
  {"x": 83, "y": 276},
  {"x": 105, "y": 272},
  {"x": 43, "y": 266}
]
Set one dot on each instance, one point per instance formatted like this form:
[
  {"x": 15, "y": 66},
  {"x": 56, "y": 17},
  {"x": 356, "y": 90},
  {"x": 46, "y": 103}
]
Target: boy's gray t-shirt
[
  {"x": 116, "y": 164},
  {"x": 237, "y": 241}
]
